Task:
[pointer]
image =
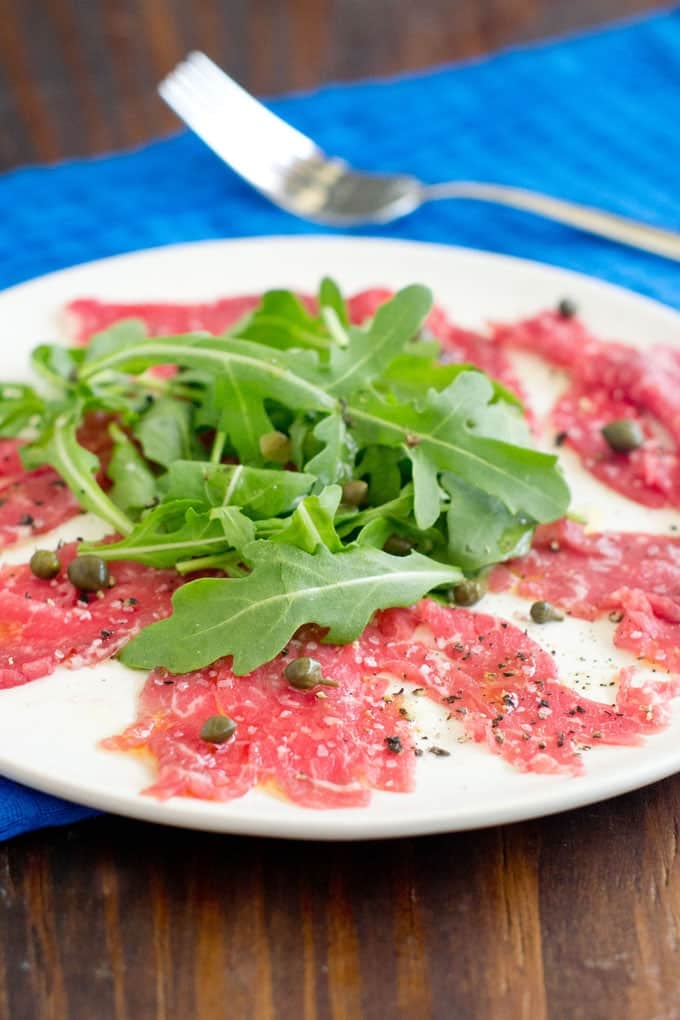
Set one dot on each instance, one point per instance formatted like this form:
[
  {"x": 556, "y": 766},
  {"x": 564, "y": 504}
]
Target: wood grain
[
  {"x": 78, "y": 78},
  {"x": 575, "y": 917}
]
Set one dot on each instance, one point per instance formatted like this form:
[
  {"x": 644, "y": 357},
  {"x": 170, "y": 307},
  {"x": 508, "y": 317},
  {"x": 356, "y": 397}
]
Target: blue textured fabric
[
  {"x": 593, "y": 118},
  {"x": 22, "y": 809}
]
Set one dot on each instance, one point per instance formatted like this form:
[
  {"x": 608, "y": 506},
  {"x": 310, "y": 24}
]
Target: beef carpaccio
[
  {"x": 608, "y": 382},
  {"x": 634, "y": 578},
  {"x": 48, "y": 623},
  {"x": 35, "y": 502},
  {"x": 31, "y": 502},
  {"x": 330, "y": 746}
]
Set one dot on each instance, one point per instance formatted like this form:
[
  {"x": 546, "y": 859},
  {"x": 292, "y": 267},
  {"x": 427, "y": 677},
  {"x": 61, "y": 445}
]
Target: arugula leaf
[
  {"x": 333, "y": 313},
  {"x": 177, "y": 531},
  {"x": 448, "y": 429},
  {"x": 377, "y": 524},
  {"x": 399, "y": 509},
  {"x": 370, "y": 351},
  {"x": 411, "y": 375},
  {"x": 429, "y": 543},
  {"x": 259, "y": 492},
  {"x": 334, "y": 462},
  {"x": 134, "y": 484},
  {"x": 312, "y": 524},
  {"x": 237, "y": 414},
  {"x": 481, "y": 529},
  {"x": 445, "y": 450},
  {"x": 302, "y": 442},
  {"x": 120, "y": 336},
  {"x": 238, "y": 528},
  {"x": 20, "y": 406},
  {"x": 427, "y": 504},
  {"x": 282, "y": 321},
  {"x": 291, "y": 377},
  {"x": 380, "y": 464},
  {"x": 375, "y": 533},
  {"x": 330, "y": 297},
  {"x": 59, "y": 446},
  {"x": 254, "y": 617},
  {"x": 166, "y": 431},
  {"x": 57, "y": 364}
]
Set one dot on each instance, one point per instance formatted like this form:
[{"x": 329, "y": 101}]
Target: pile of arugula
[{"x": 444, "y": 450}]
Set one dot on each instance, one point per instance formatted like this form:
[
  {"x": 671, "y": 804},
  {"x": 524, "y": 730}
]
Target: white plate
[{"x": 49, "y": 729}]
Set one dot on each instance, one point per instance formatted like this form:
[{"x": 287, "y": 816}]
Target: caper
[
  {"x": 623, "y": 435},
  {"x": 217, "y": 729},
  {"x": 276, "y": 446},
  {"x": 45, "y": 564},
  {"x": 567, "y": 308},
  {"x": 468, "y": 592},
  {"x": 544, "y": 612},
  {"x": 88, "y": 573},
  {"x": 398, "y": 545},
  {"x": 354, "y": 493},
  {"x": 305, "y": 673}
]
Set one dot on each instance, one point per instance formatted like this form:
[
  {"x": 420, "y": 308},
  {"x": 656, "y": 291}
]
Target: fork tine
[
  {"x": 209, "y": 74},
  {"x": 248, "y": 136},
  {"x": 251, "y": 161}
]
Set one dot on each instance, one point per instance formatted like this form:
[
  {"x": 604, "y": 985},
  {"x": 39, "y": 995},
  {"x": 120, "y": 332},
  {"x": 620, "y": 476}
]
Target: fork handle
[{"x": 593, "y": 221}]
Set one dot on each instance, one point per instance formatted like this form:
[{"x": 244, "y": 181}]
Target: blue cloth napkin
[{"x": 594, "y": 118}]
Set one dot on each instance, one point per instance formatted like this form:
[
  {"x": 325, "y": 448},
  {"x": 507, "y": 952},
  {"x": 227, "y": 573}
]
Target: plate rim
[
  {"x": 359, "y": 240},
  {"x": 178, "y": 247},
  {"x": 150, "y": 810}
]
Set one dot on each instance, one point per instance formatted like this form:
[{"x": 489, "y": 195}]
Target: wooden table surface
[{"x": 575, "y": 917}]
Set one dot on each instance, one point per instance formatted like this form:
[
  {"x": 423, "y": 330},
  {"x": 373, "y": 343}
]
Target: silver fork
[{"x": 294, "y": 173}]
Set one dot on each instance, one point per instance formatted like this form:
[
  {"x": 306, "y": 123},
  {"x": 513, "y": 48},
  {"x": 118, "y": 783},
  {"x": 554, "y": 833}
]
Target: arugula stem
[
  {"x": 112, "y": 552},
  {"x": 227, "y": 562},
  {"x": 269, "y": 527},
  {"x": 309, "y": 339},
  {"x": 334, "y": 326},
  {"x": 84, "y": 486},
  {"x": 218, "y": 447},
  {"x": 167, "y": 388},
  {"x": 164, "y": 351}
]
